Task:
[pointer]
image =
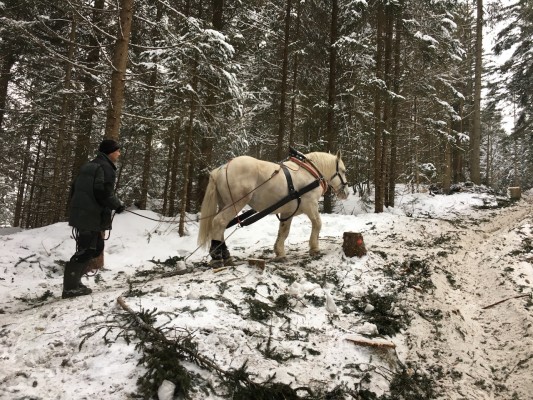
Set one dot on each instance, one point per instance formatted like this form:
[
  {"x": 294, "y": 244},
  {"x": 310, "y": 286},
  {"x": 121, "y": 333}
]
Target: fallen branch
[
  {"x": 22, "y": 259},
  {"x": 362, "y": 341},
  {"x": 510, "y": 298},
  {"x": 202, "y": 360},
  {"x": 237, "y": 381}
]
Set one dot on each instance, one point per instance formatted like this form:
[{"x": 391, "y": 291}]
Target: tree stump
[
  {"x": 257, "y": 262},
  {"x": 353, "y": 244},
  {"x": 515, "y": 193}
]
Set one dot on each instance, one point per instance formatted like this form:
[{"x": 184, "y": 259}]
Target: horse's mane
[{"x": 322, "y": 160}]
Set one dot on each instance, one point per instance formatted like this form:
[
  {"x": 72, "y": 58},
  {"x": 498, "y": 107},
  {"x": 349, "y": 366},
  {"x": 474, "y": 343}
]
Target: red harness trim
[{"x": 308, "y": 165}]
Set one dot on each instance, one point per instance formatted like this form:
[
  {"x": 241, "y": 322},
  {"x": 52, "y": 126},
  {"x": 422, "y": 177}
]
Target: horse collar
[{"x": 313, "y": 170}]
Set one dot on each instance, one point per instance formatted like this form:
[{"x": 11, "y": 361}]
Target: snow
[{"x": 477, "y": 254}]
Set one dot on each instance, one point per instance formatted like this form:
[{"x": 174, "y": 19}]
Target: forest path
[
  {"x": 485, "y": 353},
  {"x": 478, "y": 353}
]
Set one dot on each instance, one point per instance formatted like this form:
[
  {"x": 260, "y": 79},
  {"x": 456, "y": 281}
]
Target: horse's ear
[{"x": 338, "y": 154}]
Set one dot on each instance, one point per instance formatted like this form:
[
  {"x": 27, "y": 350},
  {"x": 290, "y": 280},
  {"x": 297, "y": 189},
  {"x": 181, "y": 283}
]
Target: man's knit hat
[{"x": 108, "y": 146}]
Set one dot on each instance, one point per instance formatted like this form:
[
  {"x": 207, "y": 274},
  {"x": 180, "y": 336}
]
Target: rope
[{"x": 152, "y": 219}]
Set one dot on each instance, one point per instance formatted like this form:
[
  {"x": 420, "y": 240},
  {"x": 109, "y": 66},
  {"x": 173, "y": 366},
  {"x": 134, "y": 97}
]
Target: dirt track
[{"x": 477, "y": 353}]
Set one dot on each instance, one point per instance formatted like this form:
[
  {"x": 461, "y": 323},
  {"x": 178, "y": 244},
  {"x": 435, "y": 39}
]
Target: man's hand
[{"x": 120, "y": 209}]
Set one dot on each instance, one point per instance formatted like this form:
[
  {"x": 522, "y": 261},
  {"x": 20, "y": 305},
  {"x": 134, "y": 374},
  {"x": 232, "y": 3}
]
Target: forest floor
[{"x": 429, "y": 285}]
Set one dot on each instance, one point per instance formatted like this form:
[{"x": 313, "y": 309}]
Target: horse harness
[{"x": 251, "y": 216}]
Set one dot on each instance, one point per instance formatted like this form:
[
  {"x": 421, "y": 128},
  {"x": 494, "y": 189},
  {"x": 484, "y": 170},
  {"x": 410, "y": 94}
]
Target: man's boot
[{"x": 71, "y": 280}]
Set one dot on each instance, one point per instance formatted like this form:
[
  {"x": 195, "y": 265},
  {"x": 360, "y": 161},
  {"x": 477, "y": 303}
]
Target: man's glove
[{"x": 120, "y": 209}]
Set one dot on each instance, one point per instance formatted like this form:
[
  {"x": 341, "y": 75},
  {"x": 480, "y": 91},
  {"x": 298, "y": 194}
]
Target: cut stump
[
  {"x": 257, "y": 262},
  {"x": 353, "y": 244},
  {"x": 515, "y": 193}
]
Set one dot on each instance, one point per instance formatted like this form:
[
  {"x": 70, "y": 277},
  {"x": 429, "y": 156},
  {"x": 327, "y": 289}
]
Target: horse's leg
[
  {"x": 316, "y": 225},
  {"x": 279, "y": 246},
  {"x": 219, "y": 252}
]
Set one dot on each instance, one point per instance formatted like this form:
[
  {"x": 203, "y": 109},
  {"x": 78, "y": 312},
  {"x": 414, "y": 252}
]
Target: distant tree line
[{"x": 187, "y": 85}]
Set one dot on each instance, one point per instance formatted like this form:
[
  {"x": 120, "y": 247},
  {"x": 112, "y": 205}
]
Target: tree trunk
[
  {"x": 83, "y": 140},
  {"x": 394, "y": 116},
  {"x": 26, "y": 215},
  {"x": 8, "y": 60},
  {"x": 118, "y": 80},
  {"x": 331, "y": 134},
  {"x": 488, "y": 171},
  {"x": 280, "y": 148},
  {"x": 118, "y": 77},
  {"x": 187, "y": 163},
  {"x": 42, "y": 198},
  {"x": 170, "y": 157},
  {"x": 378, "y": 126},
  {"x": 294, "y": 81},
  {"x": 447, "y": 164},
  {"x": 174, "y": 171},
  {"x": 457, "y": 155},
  {"x": 59, "y": 178},
  {"x": 475, "y": 141},
  {"x": 22, "y": 183},
  {"x": 206, "y": 160},
  {"x": 147, "y": 159},
  {"x": 387, "y": 108}
]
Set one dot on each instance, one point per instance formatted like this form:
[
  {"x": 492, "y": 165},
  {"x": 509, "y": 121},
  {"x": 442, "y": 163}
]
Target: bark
[
  {"x": 476, "y": 133},
  {"x": 118, "y": 77}
]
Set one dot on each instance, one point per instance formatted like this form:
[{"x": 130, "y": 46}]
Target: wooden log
[
  {"x": 353, "y": 244},
  {"x": 515, "y": 193}
]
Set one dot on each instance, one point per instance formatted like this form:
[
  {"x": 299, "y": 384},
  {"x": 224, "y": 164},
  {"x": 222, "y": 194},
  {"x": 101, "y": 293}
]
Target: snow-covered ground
[{"x": 433, "y": 263}]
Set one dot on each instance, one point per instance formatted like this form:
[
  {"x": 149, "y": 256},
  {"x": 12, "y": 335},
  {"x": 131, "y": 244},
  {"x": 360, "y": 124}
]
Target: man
[{"x": 91, "y": 204}]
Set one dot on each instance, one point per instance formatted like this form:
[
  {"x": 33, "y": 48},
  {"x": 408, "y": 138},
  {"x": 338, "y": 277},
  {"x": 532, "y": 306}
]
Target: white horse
[{"x": 262, "y": 185}]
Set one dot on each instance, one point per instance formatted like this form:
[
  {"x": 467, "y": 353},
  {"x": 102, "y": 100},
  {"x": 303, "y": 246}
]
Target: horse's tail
[{"x": 208, "y": 211}]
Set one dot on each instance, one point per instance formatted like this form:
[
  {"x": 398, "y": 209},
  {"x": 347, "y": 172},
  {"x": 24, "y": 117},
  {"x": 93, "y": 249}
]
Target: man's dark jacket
[{"x": 93, "y": 195}]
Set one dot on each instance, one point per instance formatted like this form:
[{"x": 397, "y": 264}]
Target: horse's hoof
[
  {"x": 229, "y": 262},
  {"x": 280, "y": 259},
  {"x": 216, "y": 263},
  {"x": 315, "y": 253}
]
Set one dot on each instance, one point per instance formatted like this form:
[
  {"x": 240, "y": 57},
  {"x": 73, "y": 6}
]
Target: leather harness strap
[
  {"x": 313, "y": 170},
  {"x": 293, "y": 194}
]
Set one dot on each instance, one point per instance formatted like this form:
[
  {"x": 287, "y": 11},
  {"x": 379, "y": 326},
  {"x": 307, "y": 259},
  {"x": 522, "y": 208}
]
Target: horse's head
[{"x": 338, "y": 181}]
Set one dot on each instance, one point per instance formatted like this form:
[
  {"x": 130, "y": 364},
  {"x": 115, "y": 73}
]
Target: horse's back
[{"x": 247, "y": 169}]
